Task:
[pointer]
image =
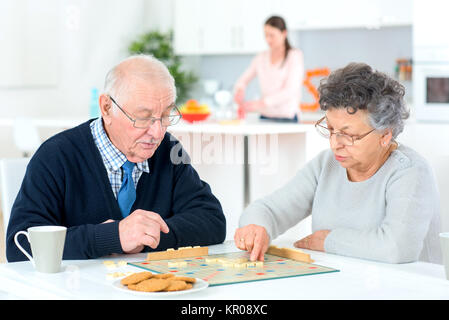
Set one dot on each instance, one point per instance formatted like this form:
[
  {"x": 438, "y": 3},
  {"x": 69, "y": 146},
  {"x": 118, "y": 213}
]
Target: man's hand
[
  {"x": 254, "y": 239},
  {"x": 314, "y": 241},
  {"x": 141, "y": 228}
]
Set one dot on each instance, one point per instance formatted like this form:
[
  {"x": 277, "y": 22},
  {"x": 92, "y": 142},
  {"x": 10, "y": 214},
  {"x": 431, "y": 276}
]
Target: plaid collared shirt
[{"x": 113, "y": 159}]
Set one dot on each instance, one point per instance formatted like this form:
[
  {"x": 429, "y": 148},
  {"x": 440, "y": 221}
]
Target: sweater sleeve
[
  {"x": 40, "y": 201},
  {"x": 249, "y": 74},
  {"x": 292, "y": 85},
  {"x": 288, "y": 205},
  {"x": 411, "y": 202}
]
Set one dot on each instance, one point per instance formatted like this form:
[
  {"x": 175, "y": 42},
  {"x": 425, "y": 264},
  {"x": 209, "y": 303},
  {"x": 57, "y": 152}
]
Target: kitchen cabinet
[
  {"x": 430, "y": 24},
  {"x": 323, "y": 14},
  {"x": 219, "y": 27},
  {"x": 319, "y": 14},
  {"x": 236, "y": 27},
  {"x": 395, "y": 13}
]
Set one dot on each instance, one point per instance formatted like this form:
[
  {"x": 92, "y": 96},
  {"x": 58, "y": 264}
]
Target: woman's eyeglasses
[{"x": 341, "y": 138}]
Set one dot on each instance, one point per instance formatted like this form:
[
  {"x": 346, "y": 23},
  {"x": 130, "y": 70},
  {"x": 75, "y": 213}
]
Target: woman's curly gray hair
[{"x": 358, "y": 87}]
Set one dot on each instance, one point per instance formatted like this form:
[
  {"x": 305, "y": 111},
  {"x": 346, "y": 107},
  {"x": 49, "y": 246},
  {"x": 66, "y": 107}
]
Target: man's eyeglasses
[
  {"x": 144, "y": 123},
  {"x": 342, "y": 138}
]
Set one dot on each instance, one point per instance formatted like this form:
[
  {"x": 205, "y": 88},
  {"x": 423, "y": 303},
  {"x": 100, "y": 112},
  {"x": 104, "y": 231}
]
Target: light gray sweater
[{"x": 391, "y": 217}]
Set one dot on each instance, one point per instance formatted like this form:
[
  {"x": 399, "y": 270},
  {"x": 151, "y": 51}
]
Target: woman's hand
[
  {"x": 239, "y": 96},
  {"x": 315, "y": 241},
  {"x": 253, "y": 105},
  {"x": 254, "y": 239}
]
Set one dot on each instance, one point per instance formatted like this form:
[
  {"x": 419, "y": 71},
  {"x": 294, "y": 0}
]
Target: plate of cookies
[{"x": 162, "y": 284}]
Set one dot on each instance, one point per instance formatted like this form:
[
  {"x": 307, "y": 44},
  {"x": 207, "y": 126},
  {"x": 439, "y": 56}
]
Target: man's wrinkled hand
[{"x": 141, "y": 228}]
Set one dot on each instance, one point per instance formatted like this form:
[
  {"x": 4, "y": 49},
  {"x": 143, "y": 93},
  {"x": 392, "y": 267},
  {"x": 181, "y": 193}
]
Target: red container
[{"x": 192, "y": 117}]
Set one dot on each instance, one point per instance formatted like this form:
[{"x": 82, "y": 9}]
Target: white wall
[
  {"x": 430, "y": 140},
  {"x": 158, "y": 15},
  {"x": 91, "y": 36},
  {"x": 54, "y": 51}
]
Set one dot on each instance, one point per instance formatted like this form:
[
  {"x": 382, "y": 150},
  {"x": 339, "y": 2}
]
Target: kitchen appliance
[
  {"x": 431, "y": 91},
  {"x": 210, "y": 87},
  {"x": 223, "y": 98},
  {"x": 431, "y": 60}
]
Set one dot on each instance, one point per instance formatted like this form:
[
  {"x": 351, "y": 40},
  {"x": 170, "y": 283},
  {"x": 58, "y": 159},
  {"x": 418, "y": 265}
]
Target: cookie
[
  {"x": 132, "y": 287},
  {"x": 150, "y": 285},
  {"x": 183, "y": 278},
  {"x": 189, "y": 286},
  {"x": 136, "y": 278},
  {"x": 176, "y": 285},
  {"x": 109, "y": 264},
  {"x": 163, "y": 275}
]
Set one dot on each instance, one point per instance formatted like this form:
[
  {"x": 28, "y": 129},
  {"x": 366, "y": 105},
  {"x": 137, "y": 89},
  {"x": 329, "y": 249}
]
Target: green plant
[{"x": 160, "y": 45}]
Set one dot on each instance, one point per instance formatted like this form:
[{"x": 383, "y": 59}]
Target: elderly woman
[{"x": 369, "y": 196}]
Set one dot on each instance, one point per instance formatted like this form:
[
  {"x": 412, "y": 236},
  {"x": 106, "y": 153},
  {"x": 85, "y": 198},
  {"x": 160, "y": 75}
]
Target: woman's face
[
  {"x": 364, "y": 153},
  {"x": 275, "y": 38}
]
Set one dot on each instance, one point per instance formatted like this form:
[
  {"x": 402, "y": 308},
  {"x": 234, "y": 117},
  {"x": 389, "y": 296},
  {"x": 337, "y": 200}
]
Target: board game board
[{"x": 274, "y": 267}]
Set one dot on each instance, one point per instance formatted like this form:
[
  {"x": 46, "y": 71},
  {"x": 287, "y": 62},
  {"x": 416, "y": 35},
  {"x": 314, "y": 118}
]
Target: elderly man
[{"x": 112, "y": 182}]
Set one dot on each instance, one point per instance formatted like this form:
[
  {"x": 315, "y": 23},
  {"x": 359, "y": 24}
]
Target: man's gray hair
[
  {"x": 358, "y": 87},
  {"x": 141, "y": 66}
]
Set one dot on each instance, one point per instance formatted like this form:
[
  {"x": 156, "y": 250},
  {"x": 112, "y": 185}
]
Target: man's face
[{"x": 141, "y": 101}]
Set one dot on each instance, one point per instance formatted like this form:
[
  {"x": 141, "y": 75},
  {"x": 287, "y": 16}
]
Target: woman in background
[{"x": 280, "y": 72}]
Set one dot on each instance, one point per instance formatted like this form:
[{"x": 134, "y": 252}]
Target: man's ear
[{"x": 105, "y": 108}]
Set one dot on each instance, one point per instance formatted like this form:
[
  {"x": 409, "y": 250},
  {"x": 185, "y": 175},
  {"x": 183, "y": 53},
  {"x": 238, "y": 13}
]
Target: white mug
[{"x": 47, "y": 246}]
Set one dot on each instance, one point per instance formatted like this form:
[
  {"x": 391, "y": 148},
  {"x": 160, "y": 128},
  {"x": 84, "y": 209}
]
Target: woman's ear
[
  {"x": 105, "y": 108},
  {"x": 386, "y": 137},
  {"x": 284, "y": 33}
]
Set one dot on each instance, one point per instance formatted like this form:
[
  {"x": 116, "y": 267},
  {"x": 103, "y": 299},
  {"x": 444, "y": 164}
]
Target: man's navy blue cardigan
[{"x": 66, "y": 184}]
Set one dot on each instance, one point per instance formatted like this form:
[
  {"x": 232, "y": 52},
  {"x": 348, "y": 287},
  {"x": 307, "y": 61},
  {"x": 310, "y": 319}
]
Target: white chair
[
  {"x": 432, "y": 248},
  {"x": 12, "y": 172},
  {"x": 26, "y": 136}
]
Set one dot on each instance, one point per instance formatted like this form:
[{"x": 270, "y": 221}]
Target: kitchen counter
[
  {"x": 246, "y": 128},
  {"x": 243, "y": 161},
  {"x": 44, "y": 122}
]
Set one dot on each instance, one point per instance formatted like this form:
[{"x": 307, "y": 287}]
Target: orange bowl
[{"x": 192, "y": 117}]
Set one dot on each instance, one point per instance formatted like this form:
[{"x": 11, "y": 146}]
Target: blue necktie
[{"x": 127, "y": 193}]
